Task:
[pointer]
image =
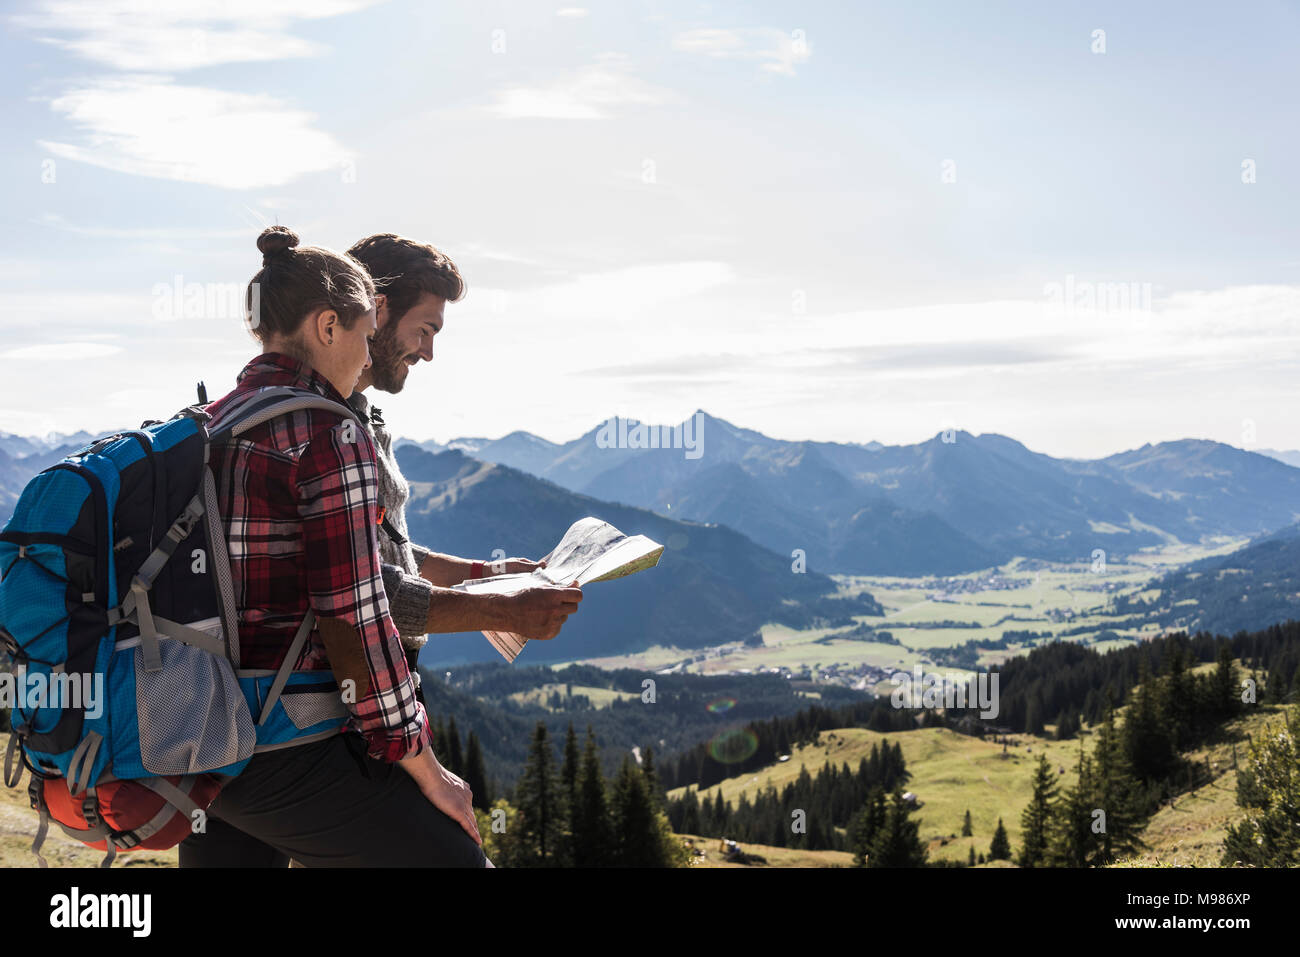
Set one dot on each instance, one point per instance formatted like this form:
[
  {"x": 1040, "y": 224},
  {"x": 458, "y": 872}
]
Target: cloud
[
  {"x": 169, "y": 36},
  {"x": 55, "y": 221},
  {"x": 571, "y": 12},
  {"x": 147, "y": 126},
  {"x": 821, "y": 361},
  {"x": 469, "y": 249},
  {"x": 587, "y": 94},
  {"x": 140, "y": 122},
  {"x": 62, "y": 351},
  {"x": 634, "y": 290},
  {"x": 775, "y": 51}
]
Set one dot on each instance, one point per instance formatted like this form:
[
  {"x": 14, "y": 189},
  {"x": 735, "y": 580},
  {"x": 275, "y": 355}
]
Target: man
[{"x": 415, "y": 283}]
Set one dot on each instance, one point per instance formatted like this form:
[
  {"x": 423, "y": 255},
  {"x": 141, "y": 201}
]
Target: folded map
[{"x": 590, "y": 551}]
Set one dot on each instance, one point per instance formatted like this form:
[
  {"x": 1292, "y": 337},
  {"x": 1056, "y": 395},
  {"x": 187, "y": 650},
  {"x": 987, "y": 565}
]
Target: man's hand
[
  {"x": 447, "y": 792},
  {"x": 538, "y": 613}
]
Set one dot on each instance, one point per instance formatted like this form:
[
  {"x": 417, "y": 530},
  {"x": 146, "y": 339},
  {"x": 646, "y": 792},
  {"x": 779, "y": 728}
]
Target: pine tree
[
  {"x": 592, "y": 833},
  {"x": 455, "y": 762},
  {"x": 866, "y": 824},
  {"x": 1225, "y": 685},
  {"x": 971, "y": 861},
  {"x": 1072, "y": 837},
  {"x": 1034, "y": 716},
  {"x": 651, "y": 777},
  {"x": 1269, "y": 787},
  {"x": 636, "y": 835},
  {"x": 690, "y": 820},
  {"x": 1117, "y": 794},
  {"x": 439, "y": 735},
  {"x": 897, "y": 843},
  {"x": 1176, "y": 702},
  {"x": 540, "y": 802},
  {"x": 476, "y": 774},
  {"x": 1000, "y": 848},
  {"x": 1036, "y": 819},
  {"x": 1147, "y": 736},
  {"x": 569, "y": 770},
  {"x": 965, "y": 827}
]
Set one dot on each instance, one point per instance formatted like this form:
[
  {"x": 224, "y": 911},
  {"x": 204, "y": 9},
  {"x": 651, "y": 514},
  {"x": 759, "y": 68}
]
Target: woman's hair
[
  {"x": 403, "y": 270},
  {"x": 295, "y": 282}
]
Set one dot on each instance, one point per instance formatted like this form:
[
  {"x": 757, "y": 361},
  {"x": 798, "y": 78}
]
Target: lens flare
[
  {"x": 734, "y": 746},
  {"x": 721, "y": 706}
]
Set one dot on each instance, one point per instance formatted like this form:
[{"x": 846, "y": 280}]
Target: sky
[{"x": 1069, "y": 223}]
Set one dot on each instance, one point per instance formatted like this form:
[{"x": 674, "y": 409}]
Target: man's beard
[{"x": 388, "y": 368}]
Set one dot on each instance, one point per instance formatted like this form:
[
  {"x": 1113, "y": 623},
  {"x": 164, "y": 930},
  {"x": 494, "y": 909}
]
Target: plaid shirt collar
[{"x": 279, "y": 369}]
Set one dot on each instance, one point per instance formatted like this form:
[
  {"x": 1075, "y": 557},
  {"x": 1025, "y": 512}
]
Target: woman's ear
[{"x": 325, "y": 324}]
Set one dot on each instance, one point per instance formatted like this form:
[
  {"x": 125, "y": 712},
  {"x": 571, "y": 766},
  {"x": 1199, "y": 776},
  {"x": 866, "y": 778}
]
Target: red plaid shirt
[{"x": 299, "y": 499}]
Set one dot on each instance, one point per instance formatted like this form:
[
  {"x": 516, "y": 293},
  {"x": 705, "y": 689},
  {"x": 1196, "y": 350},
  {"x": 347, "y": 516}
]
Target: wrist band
[{"x": 476, "y": 570}]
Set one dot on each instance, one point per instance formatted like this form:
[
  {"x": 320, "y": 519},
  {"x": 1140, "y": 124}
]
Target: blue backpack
[{"x": 117, "y": 611}]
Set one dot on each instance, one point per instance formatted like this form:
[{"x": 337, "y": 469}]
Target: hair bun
[{"x": 276, "y": 241}]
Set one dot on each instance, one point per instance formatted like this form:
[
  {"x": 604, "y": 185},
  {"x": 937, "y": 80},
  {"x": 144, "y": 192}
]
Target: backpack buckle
[
  {"x": 183, "y": 525},
  {"x": 126, "y": 840},
  {"x": 90, "y": 811}
]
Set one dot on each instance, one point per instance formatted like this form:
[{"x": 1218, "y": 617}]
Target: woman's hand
[
  {"x": 512, "y": 566},
  {"x": 445, "y": 791}
]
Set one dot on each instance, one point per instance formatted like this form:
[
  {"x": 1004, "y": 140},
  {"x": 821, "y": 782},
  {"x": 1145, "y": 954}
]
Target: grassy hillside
[
  {"x": 952, "y": 773},
  {"x": 711, "y": 855},
  {"x": 1189, "y": 832}
]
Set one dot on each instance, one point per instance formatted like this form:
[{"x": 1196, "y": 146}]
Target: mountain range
[
  {"x": 1290, "y": 456},
  {"x": 712, "y": 584},
  {"x": 1246, "y": 590},
  {"x": 956, "y": 502},
  {"x": 22, "y": 457}
]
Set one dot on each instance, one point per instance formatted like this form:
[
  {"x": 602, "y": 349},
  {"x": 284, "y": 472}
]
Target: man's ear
[{"x": 381, "y": 310}]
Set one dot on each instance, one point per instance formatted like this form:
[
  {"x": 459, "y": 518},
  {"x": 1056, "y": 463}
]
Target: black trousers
[{"x": 327, "y": 804}]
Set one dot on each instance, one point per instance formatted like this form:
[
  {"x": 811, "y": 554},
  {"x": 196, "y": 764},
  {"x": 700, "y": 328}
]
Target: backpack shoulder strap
[
  {"x": 267, "y": 404},
  {"x": 261, "y": 407}
]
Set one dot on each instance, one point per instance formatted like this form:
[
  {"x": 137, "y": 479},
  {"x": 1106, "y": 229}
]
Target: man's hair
[{"x": 403, "y": 270}]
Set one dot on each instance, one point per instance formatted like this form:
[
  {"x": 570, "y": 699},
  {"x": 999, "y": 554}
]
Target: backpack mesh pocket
[
  {"x": 309, "y": 708},
  {"x": 193, "y": 716}
]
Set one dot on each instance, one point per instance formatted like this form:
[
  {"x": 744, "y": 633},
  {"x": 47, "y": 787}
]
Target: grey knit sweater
[{"x": 408, "y": 594}]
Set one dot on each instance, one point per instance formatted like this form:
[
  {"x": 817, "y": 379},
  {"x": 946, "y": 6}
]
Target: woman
[{"x": 298, "y": 499}]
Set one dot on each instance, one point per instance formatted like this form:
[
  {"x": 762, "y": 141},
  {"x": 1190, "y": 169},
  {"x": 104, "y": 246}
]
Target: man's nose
[{"x": 426, "y": 349}]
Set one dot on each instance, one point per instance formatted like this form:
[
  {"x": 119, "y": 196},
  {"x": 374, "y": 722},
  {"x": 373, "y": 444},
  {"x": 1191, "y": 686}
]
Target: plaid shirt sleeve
[{"x": 338, "y": 504}]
